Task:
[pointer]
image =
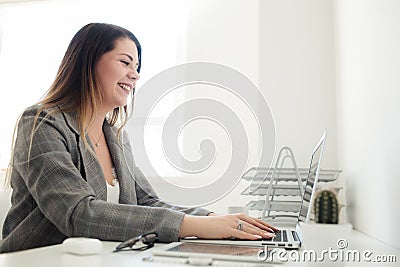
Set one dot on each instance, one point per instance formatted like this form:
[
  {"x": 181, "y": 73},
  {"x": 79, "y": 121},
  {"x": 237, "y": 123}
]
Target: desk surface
[{"x": 54, "y": 256}]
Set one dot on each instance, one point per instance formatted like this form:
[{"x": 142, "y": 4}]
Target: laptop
[{"x": 285, "y": 238}]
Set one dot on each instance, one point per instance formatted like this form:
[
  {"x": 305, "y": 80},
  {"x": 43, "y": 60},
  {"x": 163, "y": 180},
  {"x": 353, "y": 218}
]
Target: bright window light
[{"x": 35, "y": 35}]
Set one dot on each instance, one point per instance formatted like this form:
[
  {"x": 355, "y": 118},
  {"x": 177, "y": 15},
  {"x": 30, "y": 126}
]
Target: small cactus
[{"x": 326, "y": 207}]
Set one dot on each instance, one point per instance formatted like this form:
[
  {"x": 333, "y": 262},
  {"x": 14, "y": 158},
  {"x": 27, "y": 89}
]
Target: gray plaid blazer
[{"x": 61, "y": 192}]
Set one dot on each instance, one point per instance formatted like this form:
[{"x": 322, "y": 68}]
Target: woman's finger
[
  {"x": 266, "y": 224},
  {"x": 250, "y": 228},
  {"x": 257, "y": 222},
  {"x": 240, "y": 234}
]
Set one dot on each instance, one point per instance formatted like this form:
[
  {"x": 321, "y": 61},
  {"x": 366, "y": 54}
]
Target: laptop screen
[{"x": 312, "y": 178}]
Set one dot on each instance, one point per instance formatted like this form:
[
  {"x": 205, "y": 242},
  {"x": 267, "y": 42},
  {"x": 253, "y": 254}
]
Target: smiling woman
[
  {"x": 55, "y": 166},
  {"x": 72, "y": 169}
]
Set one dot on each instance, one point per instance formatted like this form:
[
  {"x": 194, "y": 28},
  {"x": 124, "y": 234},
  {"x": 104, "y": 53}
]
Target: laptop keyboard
[
  {"x": 280, "y": 236},
  {"x": 295, "y": 237}
]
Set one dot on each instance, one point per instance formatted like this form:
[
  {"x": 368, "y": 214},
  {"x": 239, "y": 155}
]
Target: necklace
[{"x": 98, "y": 140}]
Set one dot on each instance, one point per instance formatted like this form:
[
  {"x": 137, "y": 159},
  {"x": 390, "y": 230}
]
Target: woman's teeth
[{"x": 125, "y": 87}]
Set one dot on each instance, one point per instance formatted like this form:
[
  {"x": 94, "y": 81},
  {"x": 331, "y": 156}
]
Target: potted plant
[
  {"x": 325, "y": 231},
  {"x": 326, "y": 207}
]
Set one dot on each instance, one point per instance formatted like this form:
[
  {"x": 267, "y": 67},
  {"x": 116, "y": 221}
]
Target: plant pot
[{"x": 319, "y": 236}]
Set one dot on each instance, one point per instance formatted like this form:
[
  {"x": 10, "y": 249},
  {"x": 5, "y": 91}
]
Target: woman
[{"x": 72, "y": 169}]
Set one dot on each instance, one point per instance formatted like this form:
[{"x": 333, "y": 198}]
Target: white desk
[{"x": 53, "y": 256}]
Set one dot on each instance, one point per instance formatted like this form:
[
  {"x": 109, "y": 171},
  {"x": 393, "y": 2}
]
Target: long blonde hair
[{"x": 75, "y": 88}]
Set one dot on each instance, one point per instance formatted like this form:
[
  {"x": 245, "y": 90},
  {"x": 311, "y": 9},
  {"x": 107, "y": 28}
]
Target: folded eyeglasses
[{"x": 141, "y": 242}]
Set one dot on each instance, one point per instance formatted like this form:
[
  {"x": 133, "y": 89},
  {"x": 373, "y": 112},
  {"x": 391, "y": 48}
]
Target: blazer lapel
[{"x": 93, "y": 171}]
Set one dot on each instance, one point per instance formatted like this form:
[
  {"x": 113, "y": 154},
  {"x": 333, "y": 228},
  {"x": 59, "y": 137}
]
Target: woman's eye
[{"x": 126, "y": 63}]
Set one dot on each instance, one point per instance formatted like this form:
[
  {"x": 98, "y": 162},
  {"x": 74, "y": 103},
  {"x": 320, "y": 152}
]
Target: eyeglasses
[{"x": 141, "y": 242}]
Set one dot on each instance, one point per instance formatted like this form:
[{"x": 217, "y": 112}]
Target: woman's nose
[{"x": 134, "y": 75}]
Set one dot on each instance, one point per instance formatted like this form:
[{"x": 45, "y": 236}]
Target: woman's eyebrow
[{"x": 129, "y": 56}]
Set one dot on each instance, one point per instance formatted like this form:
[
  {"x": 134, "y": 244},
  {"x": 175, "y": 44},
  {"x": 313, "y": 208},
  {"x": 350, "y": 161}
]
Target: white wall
[
  {"x": 297, "y": 74},
  {"x": 368, "y": 82},
  {"x": 286, "y": 48},
  {"x": 226, "y": 32}
]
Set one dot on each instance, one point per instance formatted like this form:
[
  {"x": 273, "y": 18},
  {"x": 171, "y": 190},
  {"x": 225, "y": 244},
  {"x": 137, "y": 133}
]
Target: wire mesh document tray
[{"x": 280, "y": 188}]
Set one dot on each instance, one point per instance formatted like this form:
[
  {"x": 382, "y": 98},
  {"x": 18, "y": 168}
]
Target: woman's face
[{"x": 117, "y": 73}]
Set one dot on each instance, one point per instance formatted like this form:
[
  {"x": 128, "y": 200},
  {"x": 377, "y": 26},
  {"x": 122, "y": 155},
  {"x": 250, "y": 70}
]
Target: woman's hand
[{"x": 238, "y": 225}]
